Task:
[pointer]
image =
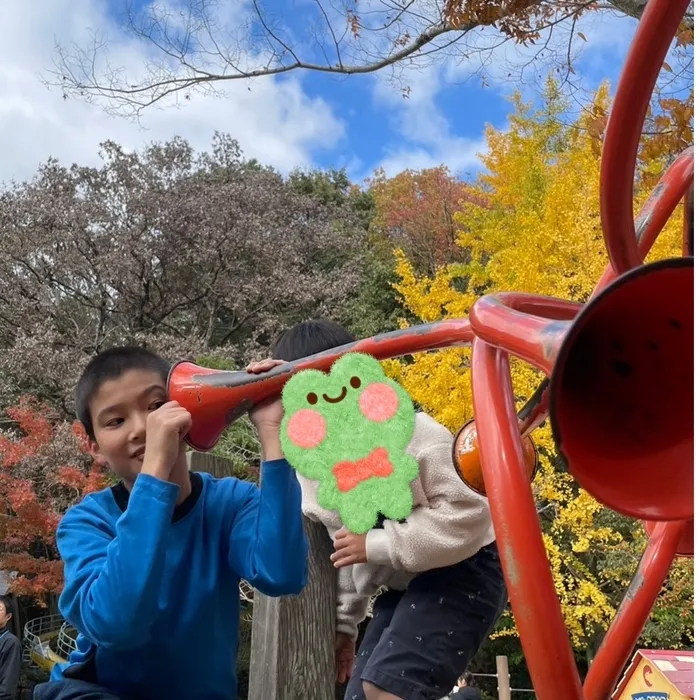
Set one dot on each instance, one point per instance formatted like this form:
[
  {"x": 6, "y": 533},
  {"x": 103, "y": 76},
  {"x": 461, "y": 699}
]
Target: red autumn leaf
[{"x": 45, "y": 469}]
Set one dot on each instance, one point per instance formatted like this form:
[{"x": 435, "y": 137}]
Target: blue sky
[
  {"x": 374, "y": 125},
  {"x": 306, "y": 120}
]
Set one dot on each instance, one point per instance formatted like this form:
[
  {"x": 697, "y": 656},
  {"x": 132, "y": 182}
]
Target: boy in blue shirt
[{"x": 152, "y": 565}]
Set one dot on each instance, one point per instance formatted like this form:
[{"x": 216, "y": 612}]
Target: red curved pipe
[
  {"x": 216, "y": 398},
  {"x": 644, "y": 60},
  {"x": 676, "y": 181},
  {"x": 528, "y": 577},
  {"x": 526, "y": 325},
  {"x": 634, "y": 610}
]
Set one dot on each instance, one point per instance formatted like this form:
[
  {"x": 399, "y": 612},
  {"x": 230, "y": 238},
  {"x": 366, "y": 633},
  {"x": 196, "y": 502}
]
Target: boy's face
[
  {"x": 5, "y": 616},
  {"x": 119, "y": 411}
]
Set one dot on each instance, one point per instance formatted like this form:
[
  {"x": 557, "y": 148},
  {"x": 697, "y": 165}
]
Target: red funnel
[{"x": 622, "y": 393}]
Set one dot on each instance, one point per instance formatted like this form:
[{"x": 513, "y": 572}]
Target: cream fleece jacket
[{"x": 449, "y": 523}]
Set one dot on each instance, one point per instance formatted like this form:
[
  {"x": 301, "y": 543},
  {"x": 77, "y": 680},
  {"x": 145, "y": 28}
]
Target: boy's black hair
[
  {"x": 112, "y": 364},
  {"x": 5, "y": 602},
  {"x": 308, "y": 338},
  {"x": 466, "y": 678}
]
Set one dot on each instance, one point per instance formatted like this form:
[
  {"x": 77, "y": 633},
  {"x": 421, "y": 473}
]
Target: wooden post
[
  {"x": 292, "y": 653},
  {"x": 503, "y": 678}
]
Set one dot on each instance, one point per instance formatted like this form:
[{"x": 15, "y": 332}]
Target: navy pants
[
  {"x": 70, "y": 689},
  {"x": 421, "y": 640}
]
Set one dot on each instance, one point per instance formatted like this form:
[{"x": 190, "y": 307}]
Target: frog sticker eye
[
  {"x": 355, "y": 382},
  {"x": 312, "y": 398}
]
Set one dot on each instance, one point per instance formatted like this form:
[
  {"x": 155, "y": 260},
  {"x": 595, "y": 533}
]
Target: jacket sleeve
[
  {"x": 112, "y": 579},
  {"x": 10, "y": 663},
  {"x": 351, "y": 607},
  {"x": 267, "y": 543},
  {"x": 451, "y": 527}
]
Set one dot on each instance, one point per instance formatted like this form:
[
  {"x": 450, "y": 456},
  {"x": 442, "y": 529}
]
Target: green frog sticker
[{"x": 348, "y": 430}]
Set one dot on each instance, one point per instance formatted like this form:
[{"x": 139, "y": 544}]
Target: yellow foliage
[{"x": 538, "y": 232}]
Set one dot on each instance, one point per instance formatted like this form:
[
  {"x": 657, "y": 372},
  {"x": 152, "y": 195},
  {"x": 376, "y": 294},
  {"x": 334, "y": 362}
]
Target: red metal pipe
[
  {"x": 528, "y": 577},
  {"x": 536, "y": 409},
  {"x": 676, "y": 181},
  {"x": 686, "y": 548},
  {"x": 529, "y": 326},
  {"x": 634, "y": 610},
  {"x": 688, "y": 223},
  {"x": 644, "y": 61},
  {"x": 217, "y": 398}
]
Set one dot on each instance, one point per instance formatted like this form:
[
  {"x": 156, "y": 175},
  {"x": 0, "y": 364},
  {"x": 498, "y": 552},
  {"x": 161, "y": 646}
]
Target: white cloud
[
  {"x": 459, "y": 155},
  {"x": 275, "y": 121},
  {"x": 427, "y": 138}
]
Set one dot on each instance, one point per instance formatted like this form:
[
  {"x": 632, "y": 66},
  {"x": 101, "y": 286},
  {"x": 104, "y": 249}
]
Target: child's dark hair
[
  {"x": 112, "y": 364},
  {"x": 466, "y": 678},
  {"x": 308, "y": 338}
]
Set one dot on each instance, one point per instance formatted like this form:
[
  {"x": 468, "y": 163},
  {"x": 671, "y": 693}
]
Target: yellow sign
[{"x": 649, "y": 683}]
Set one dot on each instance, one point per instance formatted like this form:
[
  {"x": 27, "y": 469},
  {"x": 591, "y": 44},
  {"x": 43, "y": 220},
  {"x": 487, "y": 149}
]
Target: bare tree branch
[{"x": 202, "y": 47}]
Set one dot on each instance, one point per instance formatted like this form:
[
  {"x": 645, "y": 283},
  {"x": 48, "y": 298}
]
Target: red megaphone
[{"x": 216, "y": 398}]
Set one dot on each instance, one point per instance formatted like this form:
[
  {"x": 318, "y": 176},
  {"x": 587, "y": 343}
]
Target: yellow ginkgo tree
[{"x": 532, "y": 224}]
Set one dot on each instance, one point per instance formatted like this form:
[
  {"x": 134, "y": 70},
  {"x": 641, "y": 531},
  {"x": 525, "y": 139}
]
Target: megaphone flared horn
[
  {"x": 466, "y": 457},
  {"x": 217, "y": 398},
  {"x": 622, "y": 393}
]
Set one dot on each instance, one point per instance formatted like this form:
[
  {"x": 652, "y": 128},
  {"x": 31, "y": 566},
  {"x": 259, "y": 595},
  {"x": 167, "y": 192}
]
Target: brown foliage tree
[
  {"x": 188, "y": 253},
  {"x": 414, "y": 211}
]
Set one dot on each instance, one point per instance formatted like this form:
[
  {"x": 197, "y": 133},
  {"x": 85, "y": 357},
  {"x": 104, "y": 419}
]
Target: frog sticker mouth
[{"x": 338, "y": 399}]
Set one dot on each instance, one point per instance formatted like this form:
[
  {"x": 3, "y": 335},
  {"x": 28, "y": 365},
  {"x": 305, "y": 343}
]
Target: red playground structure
[{"x": 619, "y": 392}]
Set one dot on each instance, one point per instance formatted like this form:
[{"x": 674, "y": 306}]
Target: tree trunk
[{"x": 633, "y": 8}]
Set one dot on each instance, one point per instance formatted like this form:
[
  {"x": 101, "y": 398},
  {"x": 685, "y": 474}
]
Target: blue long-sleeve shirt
[{"x": 153, "y": 588}]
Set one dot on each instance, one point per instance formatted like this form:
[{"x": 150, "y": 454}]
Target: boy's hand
[
  {"x": 165, "y": 429},
  {"x": 344, "y": 656},
  {"x": 267, "y": 416},
  {"x": 349, "y": 549}
]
